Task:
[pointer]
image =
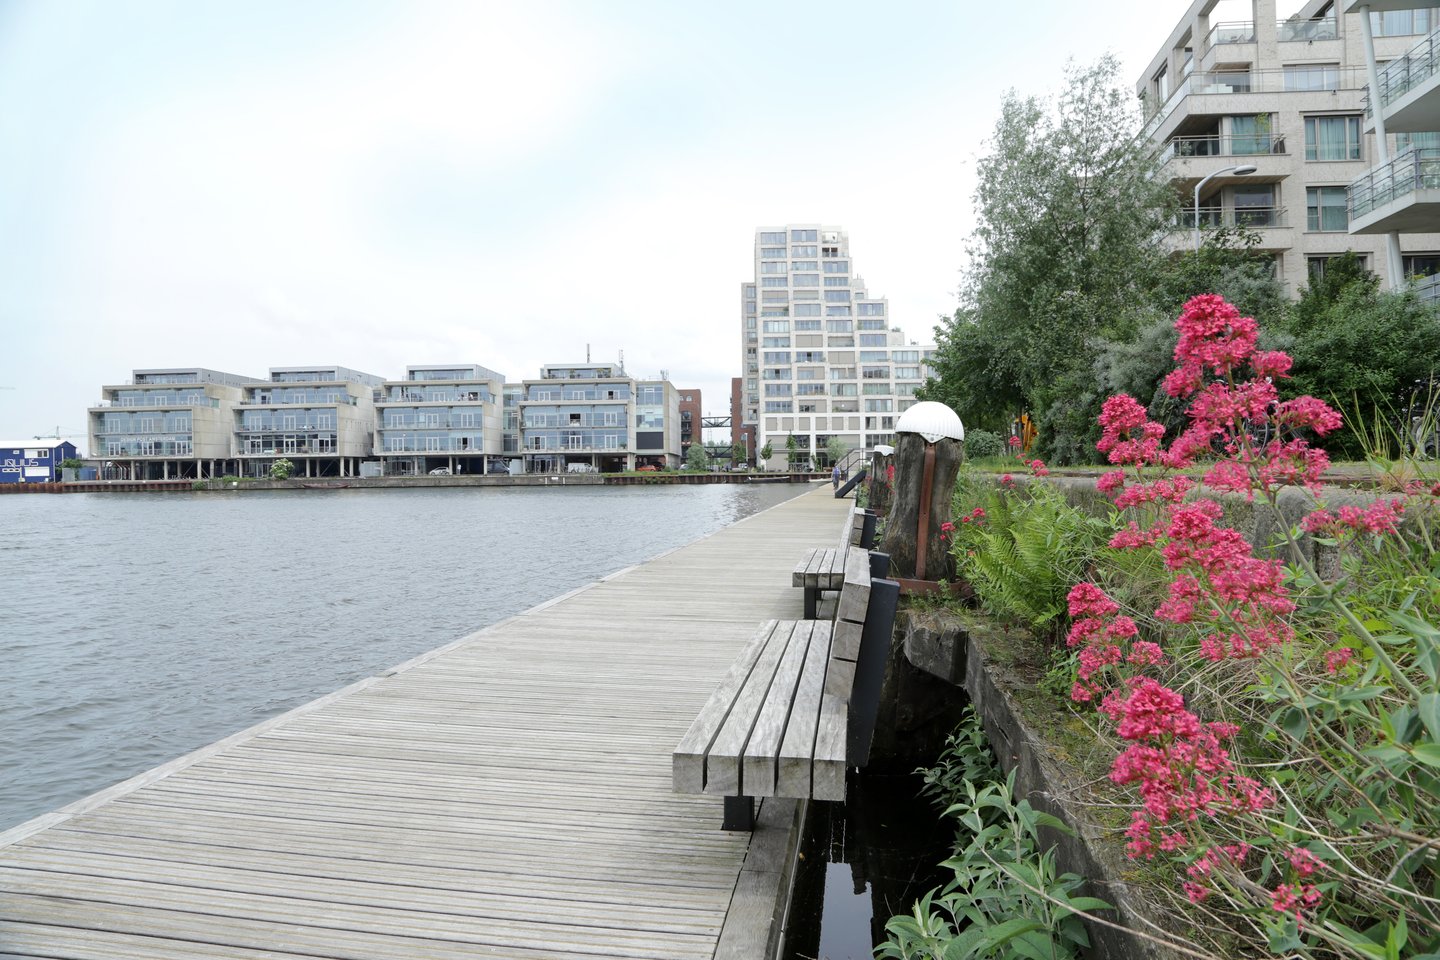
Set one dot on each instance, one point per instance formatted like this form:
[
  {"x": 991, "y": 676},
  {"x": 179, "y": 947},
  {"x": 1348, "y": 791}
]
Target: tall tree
[{"x": 1070, "y": 207}]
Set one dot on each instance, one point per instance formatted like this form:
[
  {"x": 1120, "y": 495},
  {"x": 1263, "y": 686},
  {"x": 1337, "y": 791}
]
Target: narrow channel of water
[
  {"x": 864, "y": 861},
  {"x": 139, "y": 627}
]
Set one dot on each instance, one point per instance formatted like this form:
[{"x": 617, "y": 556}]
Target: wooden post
[
  {"x": 924, "y": 484},
  {"x": 881, "y": 488}
]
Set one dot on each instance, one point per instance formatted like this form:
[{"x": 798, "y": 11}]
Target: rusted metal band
[{"x": 927, "y": 483}]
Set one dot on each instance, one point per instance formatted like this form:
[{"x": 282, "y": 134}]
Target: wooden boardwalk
[{"x": 505, "y": 796}]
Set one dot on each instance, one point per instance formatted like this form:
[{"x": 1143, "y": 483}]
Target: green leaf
[
  {"x": 1003, "y": 933},
  {"x": 1295, "y": 722},
  {"x": 1427, "y": 753},
  {"x": 1429, "y": 709}
]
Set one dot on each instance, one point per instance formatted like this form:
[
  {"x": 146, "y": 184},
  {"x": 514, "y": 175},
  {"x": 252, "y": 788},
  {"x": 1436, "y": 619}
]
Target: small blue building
[{"x": 33, "y": 461}]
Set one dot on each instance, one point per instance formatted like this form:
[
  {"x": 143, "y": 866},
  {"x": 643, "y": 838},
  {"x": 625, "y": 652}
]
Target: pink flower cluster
[
  {"x": 1103, "y": 637},
  {"x": 1202, "y": 868},
  {"x": 1382, "y": 516},
  {"x": 1180, "y": 765},
  {"x": 1038, "y": 468}
]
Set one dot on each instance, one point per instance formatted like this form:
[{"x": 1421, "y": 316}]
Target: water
[{"x": 139, "y": 627}]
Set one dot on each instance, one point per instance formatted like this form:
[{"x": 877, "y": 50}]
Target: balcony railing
[
  {"x": 1260, "y": 81},
  {"x": 1226, "y": 145},
  {"x": 1250, "y": 217},
  {"x": 197, "y": 400},
  {"x": 1404, "y": 74},
  {"x": 446, "y": 445},
  {"x": 442, "y": 423},
  {"x": 1428, "y": 290},
  {"x": 1415, "y": 169},
  {"x": 1301, "y": 30},
  {"x": 1236, "y": 31}
]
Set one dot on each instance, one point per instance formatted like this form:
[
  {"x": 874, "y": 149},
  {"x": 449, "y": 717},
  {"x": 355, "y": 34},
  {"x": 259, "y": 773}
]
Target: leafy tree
[
  {"x": 792, "y": 448},
  {"x": 766, "y": 452},
  {"x": 1069, "y": 208},
  {"x": 737, "y": 453},
  {"x": 835, "y": 449},
  {"x": 696, "y": 458},
  {"x": 282, "y": 469}
]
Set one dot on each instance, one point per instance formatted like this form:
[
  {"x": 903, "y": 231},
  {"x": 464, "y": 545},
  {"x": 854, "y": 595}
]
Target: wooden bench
[
  {"x": 798, "y": 706},
  {"x": 820, "y": 570}
]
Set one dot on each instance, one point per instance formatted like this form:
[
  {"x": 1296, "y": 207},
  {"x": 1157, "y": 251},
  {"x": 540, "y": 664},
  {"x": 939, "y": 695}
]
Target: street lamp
[{"x": 1240, "y": 170}]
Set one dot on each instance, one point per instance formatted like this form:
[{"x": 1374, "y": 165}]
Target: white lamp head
[{"x": 932, "y": 421}]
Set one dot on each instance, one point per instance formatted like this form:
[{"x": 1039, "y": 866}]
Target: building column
[{"x": 1394, "y": 274}]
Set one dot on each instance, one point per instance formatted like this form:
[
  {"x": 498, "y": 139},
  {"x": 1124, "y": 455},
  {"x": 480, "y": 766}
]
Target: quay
[
  {"x": 507, "y": 795},
  {"x": 372, "y": 483}
]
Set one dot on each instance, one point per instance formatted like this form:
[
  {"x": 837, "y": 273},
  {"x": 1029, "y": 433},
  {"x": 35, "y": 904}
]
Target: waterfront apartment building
[
  {"x": 595, "y": 417},
  {"x": 322, "y": 419},
  {"x": 168, "y": 423},
  {"x": 691, "y": 419},
  {"x": 1400, "y": 194},
  {"x": 441, "y": 418},
  {"x": 819, "y": 354},
  {"x": 1288, "y": 98}
]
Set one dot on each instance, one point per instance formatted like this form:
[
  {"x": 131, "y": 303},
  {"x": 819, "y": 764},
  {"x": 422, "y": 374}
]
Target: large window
[
  {"x": 772, "y": 281},
  {"x": 772, "y": 253},
  {"x": 1325, "y": 209},
  {"x": 837, "y": 266},
  {"x": 776, "y": 237},
  {"x": 777, "y": 267},
  {"x": 837, "y": 311},
  {"x": 1403, "y": 23},
  {"x": 1312, "y": 76},
  {"x": 807, "y": 310},
  {"x": 1332, "y": 138},
  {"x": 807, "y": 279},
  {"x": 804, "y": 236},
  {"x": 1255, "y": 205},
  {"x": 872, "y": 309},
  {"x": 804, "y": 251},
  {"x": 1422, "y": 264},
  {"x": 838, "y": 296}
]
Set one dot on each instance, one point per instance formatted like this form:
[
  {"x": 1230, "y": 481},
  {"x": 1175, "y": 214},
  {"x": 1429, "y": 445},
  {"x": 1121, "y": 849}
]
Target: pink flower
[
  {"x": 1336, "y": 660},
  {"x": 1038, "y": 468},
  {"x": 1088, "y": 600},
  {"x": 1307, "y": 412},
  {"x": 1006, "y": 480},
  {"x": 1303, "y": 862}
]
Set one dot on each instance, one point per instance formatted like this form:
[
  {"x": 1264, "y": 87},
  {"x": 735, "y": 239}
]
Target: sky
[{"x": 246, "y": 185}]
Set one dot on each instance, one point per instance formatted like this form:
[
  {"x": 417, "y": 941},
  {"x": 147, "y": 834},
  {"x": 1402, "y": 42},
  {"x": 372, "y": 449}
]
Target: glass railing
[
  {"x": 1404, "y": 74},
  {"x": 1415, "y": 169},
  {"x": 1225, "y": 145},
  {"x": 1294, "y": 30},
  {"x": 1428, "y": 290},
  {"x": 1237, "y": 31},
  {"x": 1319, "y": 77},
  {"x": 1232, "y": 217}
]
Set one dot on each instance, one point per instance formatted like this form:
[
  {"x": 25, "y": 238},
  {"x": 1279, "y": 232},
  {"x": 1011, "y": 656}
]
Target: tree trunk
[
  {"x": 902, "y": 527},
  {"x": 880, "y": 486}
]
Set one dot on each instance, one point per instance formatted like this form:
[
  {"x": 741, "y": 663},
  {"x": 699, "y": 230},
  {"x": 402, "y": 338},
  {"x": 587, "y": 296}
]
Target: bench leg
[
  {"x": 812, "y": 597},
  {"x": 739, "y": 814}
]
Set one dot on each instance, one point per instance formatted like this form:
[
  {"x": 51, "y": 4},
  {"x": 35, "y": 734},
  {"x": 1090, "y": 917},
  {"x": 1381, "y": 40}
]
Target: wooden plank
[
  {"x": 828, "y": 777},
  {"x": 855, "y": 595},
  {"x": 797, "y": 577},
  {"x": 846, "y": 645},
  {"x": 688, "y": 760},
  {"x": 812, "y": 570},
  {"x": 763, "y": 748},
  {"x": 797, "y": 750},
  {"x": 840, "y": 678},
  {"x": 722, "y": 762}
]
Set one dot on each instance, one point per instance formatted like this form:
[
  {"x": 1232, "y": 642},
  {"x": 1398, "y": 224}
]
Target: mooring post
[{"x": 928, "y": 454}]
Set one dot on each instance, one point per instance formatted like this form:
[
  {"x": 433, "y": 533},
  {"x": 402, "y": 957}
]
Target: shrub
[
  {"x": 980, "y": 444},
  {"x": 282, "y": 469}
]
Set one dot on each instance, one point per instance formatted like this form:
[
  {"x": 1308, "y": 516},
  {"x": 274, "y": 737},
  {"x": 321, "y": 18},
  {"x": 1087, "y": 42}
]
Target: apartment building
[
  {"x": 168, "y": 423},
  {"x": 594, "y": 417},
  {"x": 1400, "y": 194},
  {"x": 1267, "y": 118},
  {"x": 441, "y": 418},
  {"x": 819, "y": 354},
  {"x": 691, "y": 418},
  {"x": 322, "y": 419}
]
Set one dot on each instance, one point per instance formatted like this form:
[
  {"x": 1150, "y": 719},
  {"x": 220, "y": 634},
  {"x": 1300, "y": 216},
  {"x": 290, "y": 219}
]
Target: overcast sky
[{"x": 240, "y": 185}]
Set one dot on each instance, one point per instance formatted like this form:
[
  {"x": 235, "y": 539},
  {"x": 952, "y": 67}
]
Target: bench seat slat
[
  {"x": 797, "y": 578},
  {"x": 688, "y": 763},
  {"x": 828, "y": 775},
  {"x": 758, "y": 766},
  {"x": 722, "y": 766},
  {"x": 797, "y": 750}
]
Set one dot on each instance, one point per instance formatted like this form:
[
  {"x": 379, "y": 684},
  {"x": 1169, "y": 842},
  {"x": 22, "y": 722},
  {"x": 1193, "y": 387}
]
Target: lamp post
[{"x": 1239, "y": 169}]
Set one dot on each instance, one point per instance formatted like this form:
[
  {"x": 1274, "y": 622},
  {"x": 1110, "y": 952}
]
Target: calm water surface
[{"x": 138, "y": 627}]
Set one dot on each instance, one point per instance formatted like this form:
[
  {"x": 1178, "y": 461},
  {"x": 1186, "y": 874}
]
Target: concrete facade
[
  {"x": 322, "y": 419},
  {"x": 594, "y": 417},
  {"x": 1287, "y": 97},
  {"x": 444, "y": 417}
]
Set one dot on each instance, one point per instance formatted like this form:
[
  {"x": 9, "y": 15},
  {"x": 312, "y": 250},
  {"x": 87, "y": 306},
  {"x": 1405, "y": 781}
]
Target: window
[
  {"x": 806, "y": 310},
  {"x": 906, "y": 356},
  {"x": 830, "y": 251},
  {"x": 874, "y": 340},
  {"x": 804, "y": 265},
  {"x": 837, "y": 266},
  {"x": 909, "y": 373},
  {"x": 777, "y": 326},
  {"x": 877, "y": 389},
  {"x": 805, "y": 251},
  {"x": 840, "y": 341},
  {"x": 1312, "y": 76},
  {"x": 837, "y": 296},
  {"x": 779, "y": 406},
  {"x": 777, "y": 356},
  {"x": 844, "y": 389},
  {"x": 837, "y": 311},
  {"x": 1249, "y": 134},
  {"x": 1421, "y": 264},
  {"x": 806, "y": 294},
  {"x": 772, "y": 253},
  {"x": 872, "y": 309},
  {"x": 1420, "y": 141},
  {"x": 875, "y": 373},
  {"x": 778, "y": 389},
  {"x": 1332, "y": 138},
  {"x": 772, "y": 267},
  {"x": 837, "y": 281},
  {"x": 1403, "y": 23},
  {"x": 781, "y": 312},
  {"x": 807, "y": 324},
  {"x": 771, "y": 295},
  {"x": 773, "y": 281},
  {"x": 873, "y": 356},
  {"x": 1255, "y": 205},
  {"x": 838, "y": 326},
  {"x": 878, "y": 406},
  {"x": 804, "y": 236},
  {"x": 776, "y": 237},
  {"x": 871, "y": 324},
  {"x": 1160, "y": 83},
  {"x": 1325, "y": 209},
  {"x": 774, "y": 342},
  {"x": 807, "y": 279},
  {"x": 749, "y": 306},
  {"x": 1316, "y": 266}
]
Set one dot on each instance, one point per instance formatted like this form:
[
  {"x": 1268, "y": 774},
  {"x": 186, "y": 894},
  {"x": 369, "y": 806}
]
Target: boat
[
  {"x": 777, "y": 478},
  {"x": 324, "y": 486}
]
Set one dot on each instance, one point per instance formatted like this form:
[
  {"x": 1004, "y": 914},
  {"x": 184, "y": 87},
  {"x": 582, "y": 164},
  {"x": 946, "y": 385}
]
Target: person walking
[{"x": 835, "y": 477}]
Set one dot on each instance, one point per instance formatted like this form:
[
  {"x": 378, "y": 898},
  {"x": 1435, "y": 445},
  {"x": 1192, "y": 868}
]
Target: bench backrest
[{"x": 860, "y": 646}]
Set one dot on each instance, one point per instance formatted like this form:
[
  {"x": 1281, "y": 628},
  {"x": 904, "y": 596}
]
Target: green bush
[
  {"x": 980, "y": 444},
  {"x": 282, "y": 469}
]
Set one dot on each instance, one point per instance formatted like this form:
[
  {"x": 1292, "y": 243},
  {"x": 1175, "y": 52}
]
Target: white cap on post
[{"x": 932, "y": 421}]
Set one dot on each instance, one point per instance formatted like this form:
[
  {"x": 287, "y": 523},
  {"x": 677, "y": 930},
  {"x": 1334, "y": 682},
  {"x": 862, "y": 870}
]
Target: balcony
[
  {"x": 1307, "y": 31},
  {"x": 1251, "y": 218},
  {"x": 1428, "y": 290},
  {"x": 1189, "y": 159},
  {"x": 1410, "y": 90},
  {"x": 1403, "y": 195},
  {"x": 1219, "y": 92}
]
